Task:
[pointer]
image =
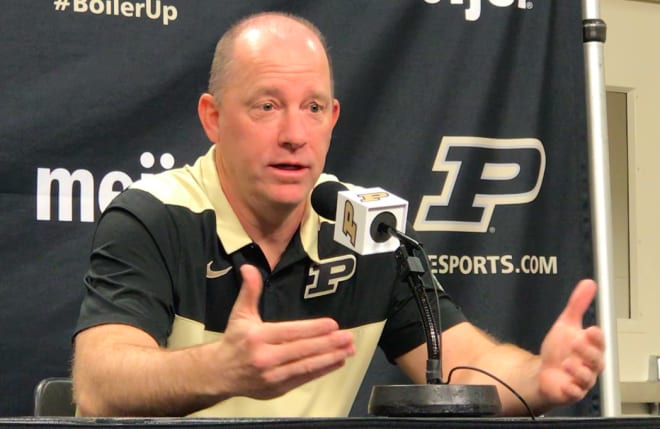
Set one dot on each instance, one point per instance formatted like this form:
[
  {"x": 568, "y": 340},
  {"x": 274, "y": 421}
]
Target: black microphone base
[{"x": 434, "y": 400}]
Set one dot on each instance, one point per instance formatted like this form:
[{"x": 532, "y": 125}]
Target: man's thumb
[
  {"x": 247, "y": 302},
  {"x": 579, "y": 301}
]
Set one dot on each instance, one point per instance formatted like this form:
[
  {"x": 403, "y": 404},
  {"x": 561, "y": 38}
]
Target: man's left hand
[{"x": 571, "y": 356}]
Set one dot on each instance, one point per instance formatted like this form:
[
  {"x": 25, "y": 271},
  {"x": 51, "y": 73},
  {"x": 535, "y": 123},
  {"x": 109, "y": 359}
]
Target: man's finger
[
  {"x": 595, "y": 336},
  {"x": 590, "y": 348},
  {"x": 579, "y": 302},
  {"x": 308, "y": 368},
  {"x": 247, "y": 302},
  {"x": 282, "y": 332},
  {"x": 292, "y": 351}
]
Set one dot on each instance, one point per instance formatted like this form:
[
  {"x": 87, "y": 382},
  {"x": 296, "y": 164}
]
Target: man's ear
[
  {"x": 335, "y": 112},
  {"x": 208, "y": 116}
]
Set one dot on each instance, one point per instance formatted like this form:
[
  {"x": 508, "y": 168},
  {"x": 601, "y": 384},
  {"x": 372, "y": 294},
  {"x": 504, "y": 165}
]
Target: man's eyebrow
[
  {"x": 320, "y": 95},
  {"x": 277, "y": 93}
]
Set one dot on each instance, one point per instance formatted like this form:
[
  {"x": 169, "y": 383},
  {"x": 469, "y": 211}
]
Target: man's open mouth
[{"x": 288, "y": 166}]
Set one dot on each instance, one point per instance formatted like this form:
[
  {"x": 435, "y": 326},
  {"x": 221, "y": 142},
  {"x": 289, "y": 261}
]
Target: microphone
[
  {"x": 371, "y": 220},
  {"x": 367, "y": 220}
]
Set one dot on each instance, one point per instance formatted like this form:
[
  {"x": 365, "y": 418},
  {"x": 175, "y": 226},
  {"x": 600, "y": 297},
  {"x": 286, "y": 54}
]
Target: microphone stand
[{"x": 434, "y": 398}]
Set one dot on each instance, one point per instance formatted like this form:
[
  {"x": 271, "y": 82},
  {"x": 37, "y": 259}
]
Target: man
[{"x": 188, "y": 264}]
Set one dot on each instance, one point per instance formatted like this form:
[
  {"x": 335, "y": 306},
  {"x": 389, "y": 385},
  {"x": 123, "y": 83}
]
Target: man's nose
[{"x": 293, "y": 132}]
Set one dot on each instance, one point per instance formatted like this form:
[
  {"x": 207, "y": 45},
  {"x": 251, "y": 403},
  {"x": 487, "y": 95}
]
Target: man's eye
[
  {"x": 315, "y": 107},
  {"x": 267, "y": 107}
]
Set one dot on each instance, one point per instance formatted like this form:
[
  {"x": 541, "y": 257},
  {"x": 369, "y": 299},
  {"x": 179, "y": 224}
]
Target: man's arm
[
  {"x": 566, "y": 368},
  {"x": 119, "y": 370}
]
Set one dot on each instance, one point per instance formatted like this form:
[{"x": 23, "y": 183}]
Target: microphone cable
[{"x": 499, "y": 380}]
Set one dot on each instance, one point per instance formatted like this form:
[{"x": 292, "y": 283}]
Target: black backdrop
[{"x": 475, "y": 115}]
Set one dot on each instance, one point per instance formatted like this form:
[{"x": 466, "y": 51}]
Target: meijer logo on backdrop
[
  {"x": 473, "y": 12},
  {"x": 482, "y": 174},
  {"x": 80, "y": 185}
]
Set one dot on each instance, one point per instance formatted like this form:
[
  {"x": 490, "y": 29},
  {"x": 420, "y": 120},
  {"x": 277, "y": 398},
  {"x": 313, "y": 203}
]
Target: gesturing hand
[
  {"x": 265, "y": 360},
  {"x": 571, "y": 356}
]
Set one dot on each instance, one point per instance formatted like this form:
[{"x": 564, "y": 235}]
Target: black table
[{"x": 327, "y": 423}]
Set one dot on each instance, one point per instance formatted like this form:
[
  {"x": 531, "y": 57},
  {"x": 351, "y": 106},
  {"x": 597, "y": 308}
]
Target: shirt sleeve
[
  {"x": 403, "y": 330},
  {"x": 129, "y": 279}
]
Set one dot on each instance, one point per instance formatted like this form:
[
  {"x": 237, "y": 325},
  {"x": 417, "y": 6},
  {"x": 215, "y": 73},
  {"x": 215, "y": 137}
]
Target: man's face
[{"x": 275, "y": 119}]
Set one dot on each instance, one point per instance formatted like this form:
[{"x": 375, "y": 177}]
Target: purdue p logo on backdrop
[{"x": 482, "y": 174}]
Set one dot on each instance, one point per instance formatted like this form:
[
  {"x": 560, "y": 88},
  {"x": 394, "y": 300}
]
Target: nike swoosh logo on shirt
[{"x": 213, "y": 274}]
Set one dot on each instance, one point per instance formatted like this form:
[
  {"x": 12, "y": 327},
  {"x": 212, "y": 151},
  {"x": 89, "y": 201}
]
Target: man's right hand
[
  {"x": 264, "y": 360},
  {"x": 120, "y": 370}
]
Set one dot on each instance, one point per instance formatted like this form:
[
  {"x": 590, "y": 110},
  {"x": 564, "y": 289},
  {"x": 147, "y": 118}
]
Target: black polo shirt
[{"x": 166, "y": 258}]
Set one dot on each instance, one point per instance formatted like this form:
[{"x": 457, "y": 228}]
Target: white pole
[{"x": 599, "y": 167}]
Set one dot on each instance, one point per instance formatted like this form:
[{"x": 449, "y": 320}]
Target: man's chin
[{"x": 290, "y": 195}]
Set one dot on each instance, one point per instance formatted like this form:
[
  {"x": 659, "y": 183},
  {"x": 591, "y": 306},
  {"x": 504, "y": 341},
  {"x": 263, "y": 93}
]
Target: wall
[{"x": 632, "y": 63}]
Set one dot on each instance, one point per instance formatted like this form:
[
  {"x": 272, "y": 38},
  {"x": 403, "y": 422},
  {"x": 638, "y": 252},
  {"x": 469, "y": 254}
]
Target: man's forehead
[
  {"x": 297, "y": 49},
  {"x": 259, "y": 37}
]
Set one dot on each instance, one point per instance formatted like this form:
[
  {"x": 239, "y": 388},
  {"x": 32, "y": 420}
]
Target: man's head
[
  {"x": 224, "y": 49},
  {"x": 271, "y": 111}
]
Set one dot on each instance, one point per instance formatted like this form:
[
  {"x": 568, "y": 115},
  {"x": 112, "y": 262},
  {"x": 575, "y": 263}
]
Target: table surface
[{"x": 345, "y": 423}]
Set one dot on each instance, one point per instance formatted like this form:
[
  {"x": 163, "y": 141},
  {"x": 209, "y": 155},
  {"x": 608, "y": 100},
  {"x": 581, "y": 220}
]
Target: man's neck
[
  {"x": 270, "y": 226},
  {"x": 274, "y": 234}
]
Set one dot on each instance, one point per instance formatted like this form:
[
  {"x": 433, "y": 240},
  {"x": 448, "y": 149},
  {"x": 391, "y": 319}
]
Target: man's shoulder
[
  {"x": 182, "y": 187},
  {"x": 171, "y": 187},
  {"x": 170, "y": 196}
]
